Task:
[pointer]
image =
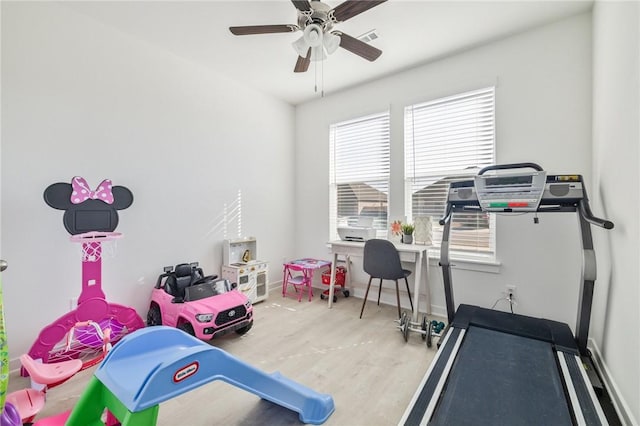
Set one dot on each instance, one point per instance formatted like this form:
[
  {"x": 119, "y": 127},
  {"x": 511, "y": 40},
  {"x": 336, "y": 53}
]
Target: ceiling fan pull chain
[
  {"x": 322, "y": 78},
  {"x": 315, "y": 75}
]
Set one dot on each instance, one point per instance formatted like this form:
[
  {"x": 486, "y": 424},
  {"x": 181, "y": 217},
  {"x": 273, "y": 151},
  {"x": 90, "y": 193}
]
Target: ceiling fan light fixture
[
  {"x": 311, "y": 38},
  {"x": 317, "y": 54},
  {"x": 331, "y": 42},
  {"x": 301, "y": 47},
  {"x": 313, "y": 35}
]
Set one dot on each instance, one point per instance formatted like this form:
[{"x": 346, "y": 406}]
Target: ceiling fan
[{"x": 316, "y": 21}]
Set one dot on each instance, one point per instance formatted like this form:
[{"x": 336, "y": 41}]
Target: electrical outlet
[{"x": 510, "y": 290}]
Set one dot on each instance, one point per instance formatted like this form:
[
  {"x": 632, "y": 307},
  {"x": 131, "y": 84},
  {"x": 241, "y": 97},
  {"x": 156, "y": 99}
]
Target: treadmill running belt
[{"x": 503, "y": 379}]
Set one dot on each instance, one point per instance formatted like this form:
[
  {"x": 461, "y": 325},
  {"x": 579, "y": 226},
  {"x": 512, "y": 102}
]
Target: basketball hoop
[
  {"x": 95, "y": 236},
  {"x": 92, "y": 244}
]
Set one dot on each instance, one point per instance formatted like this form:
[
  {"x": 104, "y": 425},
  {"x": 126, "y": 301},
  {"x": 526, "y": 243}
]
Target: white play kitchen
[{"x": 240, "y": 266}]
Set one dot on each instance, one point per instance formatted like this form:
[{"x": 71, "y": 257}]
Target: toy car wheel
[
  {"x": 335, "y": 299},
  {"x": 322, "y": 296},
  {"x": 345, "y": 293},
  {"x": 244, "y": 329},
  {"x": 187, "y": 328},
  {"x": 153, "y": 316}
]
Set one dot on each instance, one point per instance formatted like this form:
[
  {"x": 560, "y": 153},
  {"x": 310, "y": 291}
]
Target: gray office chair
[{"x": 381, "y": 260}]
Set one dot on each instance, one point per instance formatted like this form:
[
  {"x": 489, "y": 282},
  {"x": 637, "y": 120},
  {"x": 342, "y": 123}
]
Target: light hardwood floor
[{"x": 364, "y": 364}]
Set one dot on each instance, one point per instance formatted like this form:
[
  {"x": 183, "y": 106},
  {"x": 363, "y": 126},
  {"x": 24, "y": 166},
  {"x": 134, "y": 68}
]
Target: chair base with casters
[
  {"x": 299, "y": 281},
  {"x": 381, "y": 260}
]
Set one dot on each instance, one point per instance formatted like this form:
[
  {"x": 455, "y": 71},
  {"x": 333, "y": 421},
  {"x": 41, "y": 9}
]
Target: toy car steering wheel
[{"x": 204, "y": 279}]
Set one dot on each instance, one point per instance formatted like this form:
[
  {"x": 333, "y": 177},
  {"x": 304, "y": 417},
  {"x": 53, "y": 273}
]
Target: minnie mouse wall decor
[{"x": 85, "y": 209}]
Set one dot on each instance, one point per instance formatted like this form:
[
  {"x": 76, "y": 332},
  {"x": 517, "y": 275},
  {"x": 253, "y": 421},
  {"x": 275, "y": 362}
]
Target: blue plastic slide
[{"x": 155, "y": 364}]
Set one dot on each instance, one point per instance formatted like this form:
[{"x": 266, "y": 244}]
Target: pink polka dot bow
[{"x": 82, "y": 192}]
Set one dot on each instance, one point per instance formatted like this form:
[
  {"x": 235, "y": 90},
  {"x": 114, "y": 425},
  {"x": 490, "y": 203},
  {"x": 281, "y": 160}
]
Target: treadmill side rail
[
  {"x": 585, "y": 404},
  {"x": 423, "y": 402}
]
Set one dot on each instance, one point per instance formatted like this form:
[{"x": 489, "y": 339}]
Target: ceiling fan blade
[
  {"x": 302, "y": 5},
  {"x": 351, "y": 8},
  {"x": 264, "y": 29},
  {"x": 358, "y": 47},
  {"x": 302, "y": 64}
]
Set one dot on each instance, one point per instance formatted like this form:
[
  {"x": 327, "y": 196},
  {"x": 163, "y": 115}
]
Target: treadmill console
[
  {"x": 522, "y": 192},
  {"x": 519, "y": 192}
]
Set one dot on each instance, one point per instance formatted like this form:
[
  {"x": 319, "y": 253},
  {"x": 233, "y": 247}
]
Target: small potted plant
[{"x": 407, "y": 233}]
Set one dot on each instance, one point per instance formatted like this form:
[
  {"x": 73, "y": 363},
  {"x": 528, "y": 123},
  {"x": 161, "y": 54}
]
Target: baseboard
[
  {"x": 619, "y": 403},
  {"x": 14, "y": 365},
  {"x": 388, "y": 298},
  {"x": 275, "y": 287}
]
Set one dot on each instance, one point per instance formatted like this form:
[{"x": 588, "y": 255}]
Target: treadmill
[{"x": 498, "y": 368}]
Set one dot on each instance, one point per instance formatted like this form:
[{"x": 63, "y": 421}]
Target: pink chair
[{"x": 299, "y": 277}]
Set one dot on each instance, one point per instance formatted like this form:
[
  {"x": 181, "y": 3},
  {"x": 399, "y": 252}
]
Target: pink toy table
[{"x": 304, "y": 277}]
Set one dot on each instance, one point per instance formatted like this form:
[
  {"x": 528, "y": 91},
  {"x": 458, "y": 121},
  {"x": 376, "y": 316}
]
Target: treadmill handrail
[
  {"x": 585, "y": 212},
  {"x": 447, "y": 215},
  {"x": 511, "y": 166}
]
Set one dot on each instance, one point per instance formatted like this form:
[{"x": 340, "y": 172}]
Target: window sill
[{"x": 469, "y": 264}]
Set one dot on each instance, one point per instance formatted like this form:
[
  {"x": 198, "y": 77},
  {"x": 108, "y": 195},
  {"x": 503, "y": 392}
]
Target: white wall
[
  {"x": 79, "y": 98},
  {"x": 543, "y": 114},
  {"x": 616, "y": 136}
]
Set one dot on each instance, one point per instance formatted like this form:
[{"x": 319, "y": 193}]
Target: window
[
  {"x": 446, "y": 140},
  {"x": 359, "y": 172}
]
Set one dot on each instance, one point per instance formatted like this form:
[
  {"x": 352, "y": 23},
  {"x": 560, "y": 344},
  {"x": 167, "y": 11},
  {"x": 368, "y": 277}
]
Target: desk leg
[
  {"x": 348, "y": 279},
  {"x": 416, "y": 286},
  {"x": 427, "y": 288},
  {"x": 332, "y": 281}
]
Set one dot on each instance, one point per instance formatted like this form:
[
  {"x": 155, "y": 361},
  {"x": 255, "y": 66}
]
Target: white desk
[{"x": 413, "y": 253}]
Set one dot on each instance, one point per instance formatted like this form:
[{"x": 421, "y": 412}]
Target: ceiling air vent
[{"x": 369, "y": 36}]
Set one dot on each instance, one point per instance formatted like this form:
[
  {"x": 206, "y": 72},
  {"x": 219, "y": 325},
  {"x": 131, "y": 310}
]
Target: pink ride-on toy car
[{"x": 203, "y": 306}]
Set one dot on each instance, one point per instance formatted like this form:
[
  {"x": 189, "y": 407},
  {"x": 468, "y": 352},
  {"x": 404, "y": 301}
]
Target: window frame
[
  {"x": 380, "y": 183},
  {"x": 461, "y": 137}
]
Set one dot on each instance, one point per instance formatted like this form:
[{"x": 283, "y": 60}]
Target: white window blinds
[
  {"x": 446, "y": 140},
  {"x": 359, "y": 172}
]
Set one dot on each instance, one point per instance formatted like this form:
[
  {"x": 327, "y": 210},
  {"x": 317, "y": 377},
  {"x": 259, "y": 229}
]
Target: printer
[{"x": 362, "y": 231}]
